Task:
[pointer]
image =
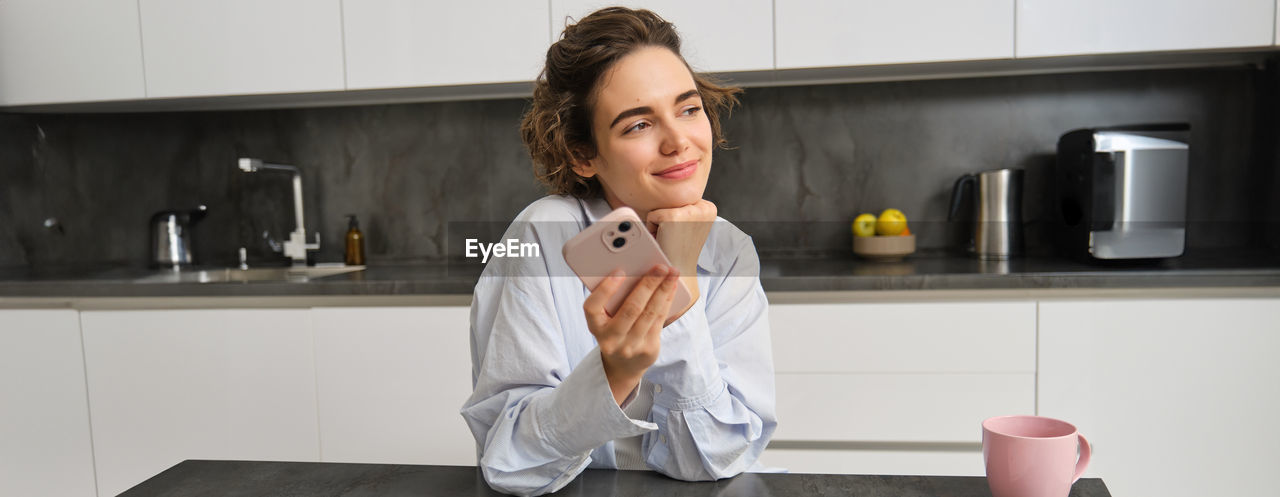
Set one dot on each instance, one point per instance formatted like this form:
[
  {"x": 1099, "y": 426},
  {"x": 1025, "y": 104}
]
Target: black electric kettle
[{"x": 171, "y": 236}]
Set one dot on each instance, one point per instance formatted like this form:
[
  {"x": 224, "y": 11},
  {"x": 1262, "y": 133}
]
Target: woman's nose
[{"x": 674, "y": 140}]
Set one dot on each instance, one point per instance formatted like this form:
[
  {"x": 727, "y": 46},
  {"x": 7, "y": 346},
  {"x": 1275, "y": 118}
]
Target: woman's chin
[{"x": 682, "y": 195}]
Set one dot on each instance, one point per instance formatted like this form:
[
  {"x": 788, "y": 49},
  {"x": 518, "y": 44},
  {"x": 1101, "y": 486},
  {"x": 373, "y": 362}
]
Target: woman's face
[{"x": 653, "y": 140}]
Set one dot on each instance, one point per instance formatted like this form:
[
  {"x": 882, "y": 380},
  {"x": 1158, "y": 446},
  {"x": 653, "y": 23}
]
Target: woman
[{"x": 618, "y": 119}]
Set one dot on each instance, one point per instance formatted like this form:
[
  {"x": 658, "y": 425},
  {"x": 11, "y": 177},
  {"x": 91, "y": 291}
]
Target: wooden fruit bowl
[{"x": 884, "y": 248}]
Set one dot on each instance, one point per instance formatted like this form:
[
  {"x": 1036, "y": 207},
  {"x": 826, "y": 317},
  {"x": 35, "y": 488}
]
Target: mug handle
[{"x": 1083, "y": 462}]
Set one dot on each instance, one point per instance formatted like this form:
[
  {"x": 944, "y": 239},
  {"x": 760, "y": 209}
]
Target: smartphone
[{"x": 619, "y": 241}]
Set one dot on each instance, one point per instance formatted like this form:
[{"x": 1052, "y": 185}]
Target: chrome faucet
[{"x": 296, "y": 247}]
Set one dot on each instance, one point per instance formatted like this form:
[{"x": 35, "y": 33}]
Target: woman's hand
[
  {"x": 681, "y": 232},
  {"x": 630, "y": 339}
]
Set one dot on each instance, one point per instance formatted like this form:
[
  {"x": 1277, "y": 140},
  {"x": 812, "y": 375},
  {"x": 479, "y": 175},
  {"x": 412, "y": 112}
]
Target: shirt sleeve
[
  {"x": 714, "y": 383},
  {"x": 535, "y": 418}
]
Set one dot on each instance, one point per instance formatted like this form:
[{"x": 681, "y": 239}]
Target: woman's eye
[
  {"x": 636, "y": 127},
  {"x": 691, "y": 111}
]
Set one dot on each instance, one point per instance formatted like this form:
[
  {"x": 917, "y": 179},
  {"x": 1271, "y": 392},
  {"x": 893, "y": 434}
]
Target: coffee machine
[{"x": 1122, "y": 191}]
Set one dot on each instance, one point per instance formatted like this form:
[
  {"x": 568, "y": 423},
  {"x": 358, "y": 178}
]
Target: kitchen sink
[{"x": 237, "y": 275}]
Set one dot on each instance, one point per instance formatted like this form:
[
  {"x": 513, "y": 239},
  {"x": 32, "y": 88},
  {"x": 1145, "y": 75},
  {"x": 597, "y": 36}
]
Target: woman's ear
[{"x": 584, "y": 167}]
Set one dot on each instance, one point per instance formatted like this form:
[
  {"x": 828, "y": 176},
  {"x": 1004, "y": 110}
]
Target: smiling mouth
[{"x": 678, "y": 171}]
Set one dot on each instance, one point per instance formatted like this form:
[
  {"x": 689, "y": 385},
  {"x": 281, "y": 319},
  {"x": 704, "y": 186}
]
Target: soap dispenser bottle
[{"x": 355, "y": 242}]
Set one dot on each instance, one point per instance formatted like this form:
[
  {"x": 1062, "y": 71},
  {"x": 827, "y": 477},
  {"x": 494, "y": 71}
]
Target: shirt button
[
  {"x": 663, "y": 439},
  {"x": 657, "y": 389}
]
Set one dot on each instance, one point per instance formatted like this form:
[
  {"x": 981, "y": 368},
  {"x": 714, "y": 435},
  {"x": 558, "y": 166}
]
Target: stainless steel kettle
[
  {"x": 171, "y": 236},
  {"x": 997, "y": 212}
]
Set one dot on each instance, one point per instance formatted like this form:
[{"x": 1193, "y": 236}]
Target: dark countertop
[
  {"x": 921, "y": 271},
  {"x": 287, "y": 479}
]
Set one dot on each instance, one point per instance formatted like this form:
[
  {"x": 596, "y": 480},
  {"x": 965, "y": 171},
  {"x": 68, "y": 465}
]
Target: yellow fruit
[
  {"x": 892, "y": 222},
  {"x": 864, "y": 225}
]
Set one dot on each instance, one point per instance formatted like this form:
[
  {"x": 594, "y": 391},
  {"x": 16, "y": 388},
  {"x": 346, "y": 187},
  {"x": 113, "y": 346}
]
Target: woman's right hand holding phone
[{"x": 630, "y": 339}]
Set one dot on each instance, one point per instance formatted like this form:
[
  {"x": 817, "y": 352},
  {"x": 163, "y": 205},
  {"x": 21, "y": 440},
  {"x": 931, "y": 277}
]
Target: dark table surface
[{"x": 290, "y": 479}]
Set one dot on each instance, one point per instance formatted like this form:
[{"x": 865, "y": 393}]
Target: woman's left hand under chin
[{"x": 681, "y": 232}]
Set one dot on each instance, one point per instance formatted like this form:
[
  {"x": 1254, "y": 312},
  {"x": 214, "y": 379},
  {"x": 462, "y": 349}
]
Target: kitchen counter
[
  {"x": 284, "y": 479},
  {"x": 921, "y": 271}
]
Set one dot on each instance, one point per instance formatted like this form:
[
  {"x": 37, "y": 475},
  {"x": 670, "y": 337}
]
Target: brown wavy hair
[{"x": 557, "y": 128}]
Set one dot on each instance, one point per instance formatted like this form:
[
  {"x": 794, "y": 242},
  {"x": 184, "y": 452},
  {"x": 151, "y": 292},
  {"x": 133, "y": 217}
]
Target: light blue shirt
[{"x": 542, "y": 410}]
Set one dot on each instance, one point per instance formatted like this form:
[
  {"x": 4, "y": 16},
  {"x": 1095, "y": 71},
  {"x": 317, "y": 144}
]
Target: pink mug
[{"x": 1032, "y": 456}]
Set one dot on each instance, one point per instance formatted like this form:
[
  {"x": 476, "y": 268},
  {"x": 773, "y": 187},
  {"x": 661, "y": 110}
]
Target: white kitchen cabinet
[
  {"x": 863, "y": 32},
  {"x": 232, "y": 47},
  {"x": 716, "y": 35},
  {"x": 874, "y": 461},
  {"x": 1062, "y": 27},
  {"x": 44, "y": 413},
  {"x": 916, "y": 407},
  {"x": 170, "y": 385},
  {"x": 400, "y": 43},
  {"x": 944, "y": 337},
  {"x": 897, "y": 388},
  {"x": 390, "y": 383},
  {"x": 1178, "y": 397},
  {"x": 69, "y": 51}
]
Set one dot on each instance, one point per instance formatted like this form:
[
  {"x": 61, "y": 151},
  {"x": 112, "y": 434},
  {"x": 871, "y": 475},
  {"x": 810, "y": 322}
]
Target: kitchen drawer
[
  {"x": 944, "y": 462},
  {"x": 959, "y": 337},
  {"x": 390, "y": 381},
  {"x": 936, "y": 408},
  {"x": 170, "y": 385}
]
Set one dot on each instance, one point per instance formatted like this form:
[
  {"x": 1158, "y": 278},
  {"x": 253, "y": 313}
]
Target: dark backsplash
[{"x": 805, "y": 161}]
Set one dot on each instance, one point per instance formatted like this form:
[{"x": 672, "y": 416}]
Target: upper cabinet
[
  {"x": 399, "y": 43},
  {"x": 232, "y": 47},
  {"x": 1059, "y": 27},
  {"x": 858, "y": 32},
  {"x": 69, "y": 51},
  {"x": 79, "y": 51},
  {"x": 715, "y": 35}
]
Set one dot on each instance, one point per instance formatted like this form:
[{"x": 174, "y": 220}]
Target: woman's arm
[
  {"x": 535, "y": 418},
  {"x": 714, "y": 393}
]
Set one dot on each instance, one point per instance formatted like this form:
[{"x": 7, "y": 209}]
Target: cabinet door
[
  {"x": 897, "y": 388},
  {"x": 44, "y": 411},
  {"x": 888, "y": 460},
  {"x": 860, "y": 32},
  {"x": 1069, "y": 27},
  {"x": 716, "y": 35},
  {"x": 1178, "y": 397},
  {"x": 396, "y": 43},
  {"x": 171, "y": 385},
  {"x": 229, "y": 47},
  {"x": 69, "y": 51},
  {"x": 391, "y": 382}
]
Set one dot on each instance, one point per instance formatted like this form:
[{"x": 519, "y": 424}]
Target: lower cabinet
[
  {"x": 341, "y": 384},
  {"x": 391, "y": 381},
  {"x": 1178, "y": 397},
  {"x": 170, "y": 385},
  {"x": 897, "y": 388},
  {"x": 45, "y": 447}
]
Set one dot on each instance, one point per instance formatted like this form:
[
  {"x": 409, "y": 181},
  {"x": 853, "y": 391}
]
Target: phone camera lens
[
  {"x": 619, "y": 242},
  {"x": 625, "y": 226}
]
